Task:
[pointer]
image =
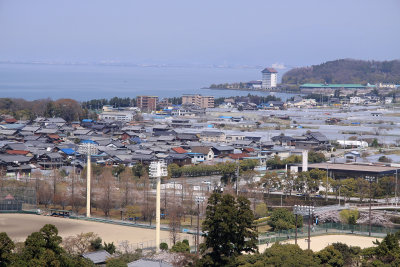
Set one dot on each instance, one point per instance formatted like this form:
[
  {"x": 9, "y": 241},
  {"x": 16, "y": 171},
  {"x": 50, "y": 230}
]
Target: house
[
  {"x": 179, "y": 150},
  {"x": 238, "y": 156},
  {"x": 206, "y": 151},
  {"x": 179, "y": 159},
  {"x": 222, "y": 150},
  {"x": 196, "y": 157},
  {"x": 212, "y": 136},
  {"x": 186, "y": 137},
  {"x": 283, "y": 140},
  {"x": 51, "y": 160}
]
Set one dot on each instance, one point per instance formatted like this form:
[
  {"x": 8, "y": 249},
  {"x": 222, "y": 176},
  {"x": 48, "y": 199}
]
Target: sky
[{"x": 223, "y": 32}]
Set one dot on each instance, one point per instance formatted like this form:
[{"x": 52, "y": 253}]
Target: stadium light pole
[
  {"x": 198, "y": 201},
  {"x": 88, "y": 179},
  {"x": 158, "y": 169}
]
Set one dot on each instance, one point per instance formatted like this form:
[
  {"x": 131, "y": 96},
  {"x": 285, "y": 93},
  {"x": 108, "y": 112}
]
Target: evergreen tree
[{"x": 229, "y": 230}]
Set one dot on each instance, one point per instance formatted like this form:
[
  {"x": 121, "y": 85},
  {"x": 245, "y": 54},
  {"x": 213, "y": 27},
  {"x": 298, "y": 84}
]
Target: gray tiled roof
[{"x": 97, "y": 257}]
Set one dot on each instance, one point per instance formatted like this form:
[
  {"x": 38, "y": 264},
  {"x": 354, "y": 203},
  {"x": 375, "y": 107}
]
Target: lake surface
[{"x": 84, "y": 82}]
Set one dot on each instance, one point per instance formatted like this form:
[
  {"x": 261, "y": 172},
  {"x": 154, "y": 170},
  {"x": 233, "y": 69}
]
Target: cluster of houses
[{"x": 45, "y": 144}]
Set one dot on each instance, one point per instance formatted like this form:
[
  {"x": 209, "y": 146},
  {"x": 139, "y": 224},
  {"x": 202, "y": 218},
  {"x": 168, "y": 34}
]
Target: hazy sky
[{"x": 253, "y": 32}]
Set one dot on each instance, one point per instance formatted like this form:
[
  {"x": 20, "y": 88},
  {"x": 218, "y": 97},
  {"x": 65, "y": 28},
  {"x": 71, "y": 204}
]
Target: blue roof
[
  {"x": 68, "y": 151},
  {"x": 225, "y": 117},
  {"x": 88, "y": 142},
  {"x": 87, "y": 120}
]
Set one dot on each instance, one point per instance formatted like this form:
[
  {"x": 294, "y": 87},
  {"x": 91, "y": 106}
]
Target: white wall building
[
  {"x": 269, "y": 78},
  {"x": 117, "y": 116},
  {"x": 356, "y": 100}
]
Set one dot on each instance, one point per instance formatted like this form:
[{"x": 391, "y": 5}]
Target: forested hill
[{"x": 346, "y": 71}]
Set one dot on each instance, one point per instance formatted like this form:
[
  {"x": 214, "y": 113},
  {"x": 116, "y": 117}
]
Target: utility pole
[
  {"x": 88, "y": 180},
  {"x": 237, "y": 177},
  {"x": 197, "y": 245},
  {"x": 158, "y": 169},
  {"x": 395, "y": 191},
  {"x": 369, "y": 178},
  {"x": 326, "y": 186}
]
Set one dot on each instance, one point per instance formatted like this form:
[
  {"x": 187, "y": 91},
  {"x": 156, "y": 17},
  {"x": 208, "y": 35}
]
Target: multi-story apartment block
[
  {"x": 269, "y": 78},
  {"x": 198, "y": 100},
  {"x": 147, "y": 103}
]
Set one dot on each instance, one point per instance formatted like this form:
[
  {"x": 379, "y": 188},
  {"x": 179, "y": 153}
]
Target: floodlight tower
[
  {"x": 88, "y": 147},
  {"x": 158, "y": 169}
]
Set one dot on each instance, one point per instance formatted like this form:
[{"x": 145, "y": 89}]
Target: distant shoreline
[{"x": 277, "y": 90}]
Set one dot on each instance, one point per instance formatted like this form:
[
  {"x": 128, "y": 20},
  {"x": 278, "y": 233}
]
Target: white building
[
  {"x": 356, "y": 100},
  {"x": 117, "y": 116},
  {"x": 269, "y": 78}
]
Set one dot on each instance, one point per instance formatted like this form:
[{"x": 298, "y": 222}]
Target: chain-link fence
[
  {"x": 17, "y": 198},
  {"x": 323, "y": 229}
]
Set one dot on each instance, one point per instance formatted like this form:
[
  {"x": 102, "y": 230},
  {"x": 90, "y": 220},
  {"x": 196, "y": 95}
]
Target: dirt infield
[
  {"x": 19, "y": 226},
  {"x": 320, "y": 242}
]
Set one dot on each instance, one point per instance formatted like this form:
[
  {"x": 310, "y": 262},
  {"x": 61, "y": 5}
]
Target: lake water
[{"x": 84, "y": 82}]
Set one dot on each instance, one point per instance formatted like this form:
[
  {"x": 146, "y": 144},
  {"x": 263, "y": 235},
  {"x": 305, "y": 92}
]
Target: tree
[
  {"x": 261, "y": 210},
  {"x": 283, "y": 219},
  {"x": 106, "y": 201},
  {"x": 126, "y": 186},
  {"x": 228, "y": 172},
  {"x": 138, "y": 170},
  {"x": 270, "y": 180},
  {"x": 329, "y": 256},
  {"x": 230, "y": 230},
  {"x": 279, "y": 255},
  {"x": 384, "y": 159},
  {"x": 6, "y": 248}
]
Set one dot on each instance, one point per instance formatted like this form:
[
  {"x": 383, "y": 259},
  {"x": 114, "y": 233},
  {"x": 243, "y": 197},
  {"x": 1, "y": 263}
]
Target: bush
[
  {"x": 261, "y": 210},
  {"x": 349, "y": 216},
  {"x": 283, "y": 219},
  {"x": 164, "y": 246},
  {"x": 116, "y": 263},
  {"x": 181, "y": 247}
]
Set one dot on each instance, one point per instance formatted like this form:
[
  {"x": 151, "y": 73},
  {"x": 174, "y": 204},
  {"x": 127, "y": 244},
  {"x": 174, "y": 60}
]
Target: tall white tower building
[{"x": 269, "y": 78}]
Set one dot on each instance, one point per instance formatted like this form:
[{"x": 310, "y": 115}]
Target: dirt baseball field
[
  {"x": 19, "y": 226},
  {"x": 320, "y": 242}
]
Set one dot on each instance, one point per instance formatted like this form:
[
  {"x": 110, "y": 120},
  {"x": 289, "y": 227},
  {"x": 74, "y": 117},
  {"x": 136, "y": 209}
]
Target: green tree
[
  {"x": 230, "y": 229},
  {"x": 330, "y": 256},
  {"x": 270, "y": 180},
  {"x": 6, "y": 247},
  {"x": 279, "y": 255},
  {"x": 261, "y": 210},
  {"x": 283, "y": 219},
  {"x": 228, "y": 172},
  {"x": 138, "y": 170}
]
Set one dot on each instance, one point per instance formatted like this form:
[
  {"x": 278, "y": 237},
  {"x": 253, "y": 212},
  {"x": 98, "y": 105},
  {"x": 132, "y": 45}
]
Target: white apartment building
[
  {"x": 117, "y": 116},
  {"x": 269, "y": 78}
]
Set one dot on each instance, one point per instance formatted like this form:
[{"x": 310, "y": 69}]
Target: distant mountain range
[{"x": 345, "y": 71}]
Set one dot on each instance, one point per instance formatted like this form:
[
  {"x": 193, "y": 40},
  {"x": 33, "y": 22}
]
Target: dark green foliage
[
  {"x": 95, "y": 244},
  {"x": 316, "y": 157},
  {"x": 283, "y": 219},
  {"x": 229, "y": 228},
  {"x": 181, "y": 247},
  {"x": 163, "y": 246},
  {"x": 109, "y": 247},
  {"x": 279, "y": 255},
  {"x": 351, "y": 255},
  {"x": 138, "y": 170},
  {"x": 115, "y": 102},
  {"x": 6, "y": 247},
  {"x": 116, "y": 171},
  {"x": 329, "y": 256},
  {"x": 346, "y": 71}
]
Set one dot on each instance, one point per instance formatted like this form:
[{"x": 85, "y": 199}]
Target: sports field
[
  {"x": 19, "y": 226},
  {"x": 320, "y": 242}
]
